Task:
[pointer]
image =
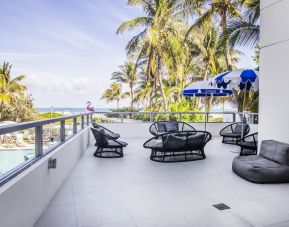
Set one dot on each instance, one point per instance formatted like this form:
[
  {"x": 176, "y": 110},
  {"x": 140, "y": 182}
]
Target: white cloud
[{"x": 53, "y": 90}]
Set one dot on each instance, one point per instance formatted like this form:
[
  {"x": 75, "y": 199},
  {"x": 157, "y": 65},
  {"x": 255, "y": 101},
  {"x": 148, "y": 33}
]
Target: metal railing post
[
  {"x": 87, "y": 119},
  {"x": 234, "y": 117},
  {"x": 121, "y": 117},
  {"x": 207, "y": 117},
  {"x": 151, "y": 117},
  {"x": 180, "y": 117},
  {"x": 74, "y": 125},
  {"x": 62, "y": 131},
  {"x": 38, "y": 141},
  {"x": 91, "y": 120},
  {"x": 82, "y": 122}
]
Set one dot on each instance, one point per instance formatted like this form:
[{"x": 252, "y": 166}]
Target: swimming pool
[{"x": 9, "y": 159}]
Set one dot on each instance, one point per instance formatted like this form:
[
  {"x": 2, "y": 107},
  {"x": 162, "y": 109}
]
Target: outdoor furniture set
[
  {"x": 172, "y": 142},
  {"x": 180, "y": 142},
  {"x": 176, "y": 142}
]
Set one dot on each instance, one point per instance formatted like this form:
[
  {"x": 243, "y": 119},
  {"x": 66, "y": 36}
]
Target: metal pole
[
  {"x": 74, "y": 125},
  {"x": 87, "y": 119},
  {"x": 38, "y": 141},
  {"x": 206, "y": 116},
  {"x": 151, "y": 117},
  {"x": 82, "y": 122},
  {"x": 121, "y": 116},
  {"x": 91, "y": 120},
  {"x": 243, "y": 114},
  {"x": 62, "y": 131}
]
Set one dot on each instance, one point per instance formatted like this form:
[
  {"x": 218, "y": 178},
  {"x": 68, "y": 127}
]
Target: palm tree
[
  {"x": 10, "y": 87},
  {"x": 246, "y": 32},
  {"x": 210, "y": 51},
  {"x": 128, "y": 75},
  {"x": 114, "y": 93},
  {"x": 157, "y": 40},
  {"x": 224, "y": 10}
]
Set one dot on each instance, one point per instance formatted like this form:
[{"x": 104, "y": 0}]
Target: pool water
[{"x": 9, "y": 159}]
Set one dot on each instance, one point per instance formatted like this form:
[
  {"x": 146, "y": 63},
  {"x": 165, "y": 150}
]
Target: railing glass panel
[
  {"x": 51, "y": 135},
  {"x": 68, "y": 128},
  {"x": 16, "y": 148}
]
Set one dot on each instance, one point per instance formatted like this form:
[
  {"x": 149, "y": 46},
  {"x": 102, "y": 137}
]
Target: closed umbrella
[{"x": 204, "y": 89}]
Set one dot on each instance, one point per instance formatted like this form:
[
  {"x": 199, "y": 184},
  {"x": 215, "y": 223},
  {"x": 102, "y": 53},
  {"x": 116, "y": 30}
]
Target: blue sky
[{"x": 67, "y": 48}]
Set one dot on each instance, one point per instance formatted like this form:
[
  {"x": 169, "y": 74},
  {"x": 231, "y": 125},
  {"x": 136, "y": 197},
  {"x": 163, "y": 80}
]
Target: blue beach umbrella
[
  {"x": 240, "y": 79},
  {"x": 204, "y": 89}
]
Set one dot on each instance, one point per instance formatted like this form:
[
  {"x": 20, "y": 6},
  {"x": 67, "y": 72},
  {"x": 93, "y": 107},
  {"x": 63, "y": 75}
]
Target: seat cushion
[
  {"x": 161, "y": 127},
  {"x": 248, "y": 144},
  {"x": 99, "y": 136},
  {"x": 156, "y": 144},
  {"x": 196, "y": 141},
  {"x": 275, "y": 151},
  {"x": 114, "y": 135},
  {"x": 238, "y": 128},
  {"x": 172, "y": 126},
  {"x": 173, "y": 142},
  {"x": 258, "y": 169},
  {"x": 231, "y": 134},
  {"x": 112, "y": 143}
]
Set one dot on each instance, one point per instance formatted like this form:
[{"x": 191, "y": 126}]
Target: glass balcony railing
[{"x": 23, "y": 144}]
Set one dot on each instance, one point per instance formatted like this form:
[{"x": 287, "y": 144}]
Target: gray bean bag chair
[{"x": 270, "y": 166}]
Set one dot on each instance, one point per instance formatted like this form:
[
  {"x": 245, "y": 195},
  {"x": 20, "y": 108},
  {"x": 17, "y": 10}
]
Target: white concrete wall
[
  {"x": 274, "y": 71},
  {"x": 23, "y": 199},
  {"x": 142, "y": 129}
]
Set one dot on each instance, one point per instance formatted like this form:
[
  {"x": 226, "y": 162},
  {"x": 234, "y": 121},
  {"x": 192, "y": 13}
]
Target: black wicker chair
[
  {"x": 233, "y": 133},
  {"x": 163, "y": 127},
  {"x": 178, "y": 146},
  {"x": 248, "y": 144},
  {"x": 107, "y": 147},
  {"x": 107, "y": 131}
]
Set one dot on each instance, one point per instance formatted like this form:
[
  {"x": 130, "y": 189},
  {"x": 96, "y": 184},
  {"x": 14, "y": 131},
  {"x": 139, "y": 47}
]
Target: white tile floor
[{"x": 134, "y": 191}]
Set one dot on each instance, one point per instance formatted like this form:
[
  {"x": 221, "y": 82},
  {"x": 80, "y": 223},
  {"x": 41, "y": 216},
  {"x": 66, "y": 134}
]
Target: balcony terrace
[{"x": 133, "y": 190}]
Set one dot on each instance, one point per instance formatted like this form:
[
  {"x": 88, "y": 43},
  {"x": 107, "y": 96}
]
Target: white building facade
[{"x": 274, "y": 72}]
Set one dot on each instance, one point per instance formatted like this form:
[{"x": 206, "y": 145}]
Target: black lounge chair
[
  {"x": 178, "y": 146},
  {"x": 107, "y": 147},
  {"x": 107, "y": 131},
  {"x": 163, "y": 127},
  {"x": 270, "y": 166},
  {"x": 248, "y": 144},
  {"x": 233, "y": 133}
]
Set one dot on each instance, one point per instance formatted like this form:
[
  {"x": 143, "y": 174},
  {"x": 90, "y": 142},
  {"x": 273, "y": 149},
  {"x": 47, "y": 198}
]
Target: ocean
[{"x": 70, "y": 110}]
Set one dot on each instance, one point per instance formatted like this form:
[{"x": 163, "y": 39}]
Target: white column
[{"x": 274, "y": 71}]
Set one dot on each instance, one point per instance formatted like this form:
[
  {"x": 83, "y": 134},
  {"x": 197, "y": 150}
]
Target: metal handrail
[
  {"x": 31, "y": 124},
  {"x": 152, "y": 114},
  {"x": 188, "y": 112}
]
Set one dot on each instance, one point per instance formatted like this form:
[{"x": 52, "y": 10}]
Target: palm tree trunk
[
  {"x": 228, "y": 59},
  {"x": 206, "y": 71},
  {"x": 227, "y": 48},
  {"x": 131, "y": 97},
  {"x": 159, "y": 75}
]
